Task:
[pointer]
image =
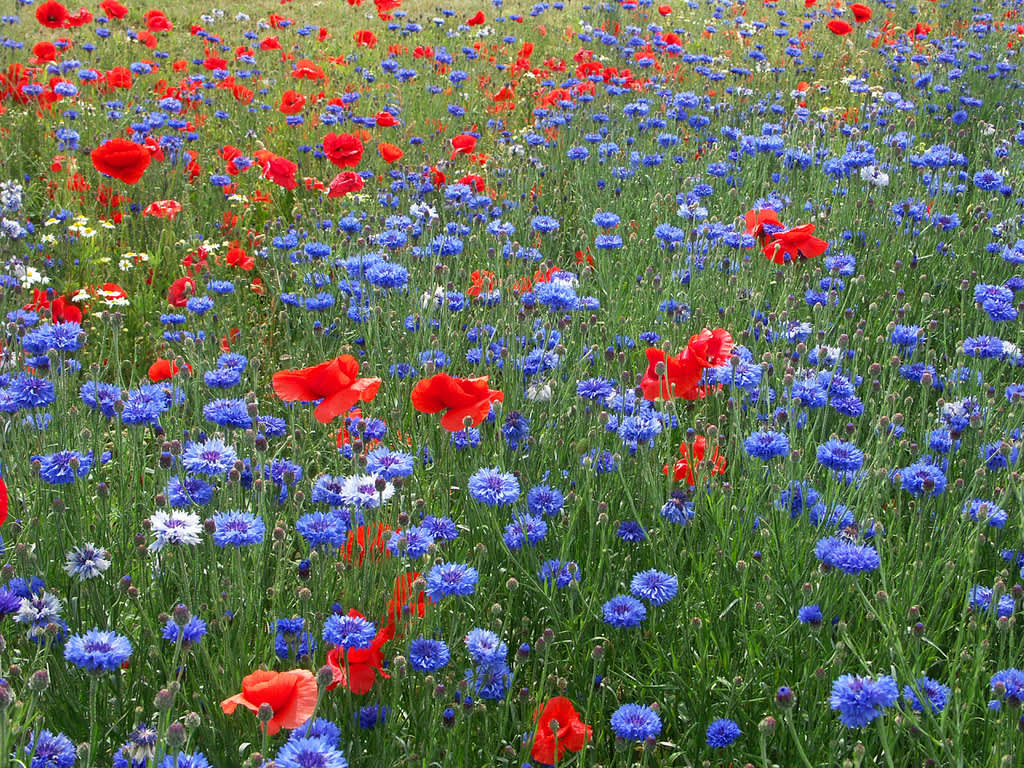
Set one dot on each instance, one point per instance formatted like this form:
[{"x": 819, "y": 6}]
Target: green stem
[
  {"x": 796, "y": 741},
  {"x": 93, "y": 720}
]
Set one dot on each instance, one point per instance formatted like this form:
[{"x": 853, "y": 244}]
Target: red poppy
[
  {"x": 463, "y": 144},
  {"x": 157, "y": 21},
  {"x": 784, "y": 246},
  {"x": 3, "y": 501},
  {"x": 111, "y": 293},
  {"x": 345, "y": 182},
  {"x": 122, "y": 159},
  {"x": 839, "y": 27},
  {"x": 57, "y": 308},
  {"x": 180, "y": 291},
  {"x": 476, "y": 19},
  {"x": 119, "y": 77},
  {"x": 163, "y": 209},
  {"x": 359, "y": 671},
  {"x": 277, "y": 169},
  {"x": 80, "y": 19},
  {"x": 664, "y": 10},
  {"x": 679, "y": 376},
  {"x": 358, "y": 541},
  {"x": 403, "y": 596},
  {"x": 385, "y": 120},
  {"x": 336, "y": 383},
  {"x": 711, "y": 348},
  {"x": 343, "y": 149},
  {"x": 291, "y": 695},
  {"x": 483, "y": 282},
  {"x": 757, "y": 219},
  {"x": 52, "y": 15},
  {"x": 237, "y": 257},
  {"x": 366, "y": 38},
  {"x": 292, "y": 103},
  {"x": 389, "y": 152},
  {"x": 308, "y": 70},
  {"x": 686, "y": 466},
  {"x": 559, "y": 730},
  {"x": 462, "y": 399},
  {"x": 861, "y": 12},
  {"x": 113, "y": 9},
  {"x": 44, "y": 50},
  {"x": 162, "y": 370}
]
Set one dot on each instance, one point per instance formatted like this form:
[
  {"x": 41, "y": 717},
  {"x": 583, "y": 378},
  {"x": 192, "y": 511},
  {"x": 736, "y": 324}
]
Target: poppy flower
[
  {"x": 308, "y": 70},
  {"x": 44, "y": 50},
  {"x": 711, "y": 348},
  {"x": 343, "y": 149},
  {"x": 237, "y": 257},
  {"x": 839, "y": 27},
  {"x": 679, "y": 376},
  {"x": 664, "y": 10},
  {"x": 484, "y": 281},
  {"x": 476, "y": 19},
  {"x": 345, "y": 182},
  {"x": 277, "y": 169},
  {"x": 403, "y": 597},
  {"x": 463, "y": 144},
  {"x": 292, "y": 103},
  {"x": 157, "y": 21},
  {"x": 365, "y": 38},
  {"x": 860, "y": 12},
  {"x": 385, "y": 119},
  {"x": 3, "y": 501},
  {"x": 291, "y": 695},
  {"x": 163, "y": 209},
  {"x": 80, "y": 19},
  {"x": 52, "y": 15},
  {"x": 559, "y": 730},
  {"x": 113, "y": 9},
  {"x": 162, "y": 370},
  {"x": 119, "y": 77},
  {"x": 389, "y": 152},
  {"x": 56, "y": 308},
  {"x": 180, "y": 291},
  {"x": 784, "y": 246},
  {"x": 359, "y": 542},
  {"x": 122, "y": 159},
  {"x": 461, "y": 399},
  {"x": 757, "y": 219},
  {"x": 359, "y": 671},
  {"x": 335, "y": 383},
  {"x": 686, "y": 466}
]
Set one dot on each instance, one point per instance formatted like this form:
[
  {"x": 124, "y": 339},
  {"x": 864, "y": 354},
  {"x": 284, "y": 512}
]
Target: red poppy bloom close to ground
[
  {"x": 686, "y": 467},
  {"x": 122, "y": 159},
  {"x": 389, "y": 152},
  {"x": 343, "y": 149},
  {"x": 679, "y": 376},
  {"x": 476, "y": 19},
  {"x": 462, "y": 399},
  {"x": 52, "y": 15},
  {"x": 345, "y": 182},
  {"x": 162, "y": 370},
  {"x": 277, "y": 169},
  {"x": 113, "y": 9},
  {"x": 335, "y": 383},
  {"x": 839, "y": 27},
  {"x": 385, "y": 120},
  {"x": 860, "y": 12},
  {"x": 292, "y": 103},
  {"x": 291, "y": 695},
  {"x": 463, "y": 144},
  {"x": 180, "y": 291},
  {"x": 157, "y": 21},
  {"x": 163, "y": 209},
  {"x": 365, "y": 38},
  {"x": 780, "y": 244},
  {"x": 363, "y": 663},
  {"x": 559, "y": 730}
]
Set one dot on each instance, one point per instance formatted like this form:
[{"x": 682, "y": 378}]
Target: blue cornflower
[
  {"x": 544, "y": 500},
  {"x": 213, "y": 457},
  {"x": 222, "y": 378},
  {"x": 544, "y": 224},
  {"x": 980, "y": 599},
  {"x": 606, "y": 219},
  {"x": 63, "y": 467},
  {"x": 624, "y": 611},
  {"x": 631, "y": 531},
  {"x": 493, "y": 487},
  {"x": 556, "y": 295},
  {"x": 840, "y": 456},
  {"x": 185, "y": 760},
  {"x": 327, "y": 489},
  {"x": 922, "y": 477},
  {"x": 525, "y": 528},
  {"x": 349, "y": 632},
  {"x": 849, "y": 557},
  {"x": 994, "y": 515},
  {"x": 86, "y": 562},
  {"x": 101, "y": 396},
  {"x": 191, "y": 633},
  {"x": 144, "y": 405},
  {"x": 139, "y": 750},
  {"x": 50, "y": 750},
  {"x": 441, "y": 528},
  {"x": 188, "y": 492},
  {"x": 200, "y": 305},
  {"x": 427, "y": 655},
  {"x": 859, "y": 700},
  {"x": 320, "y": 728},
  {"x": 809, "y": 614},
  {"x": 413, "y": 542},
  {"x": 594, "y": 389},
  {"x": 516, "y": 430},
  {"x": 601, "y": 461},
  {"x": 633, "y": 722},
  {"x": 559, "y": 573},
  {"x": 451, "y": 579},
  {"x": 906, "y": 337},
  {"x": 678, "y": 509},
  {"x": 485, "y": 647},
  {"x": 291, "y": 640},
  {"x": 228, "y": 413},
  {"x": 983, "y": 347},
  {"x": 489, "y": 681},
  {"x": 371, "y": 715},
  {"x": 238, "y": 529},
  {"x": 323, "y": 528},
  {"x": 935, "y": 693},
  {"x": 389, "y": 464},
  {"x": 654, "y": 586},
  {"x": 62, "y": 337},
  {"x": 304, "y": 752},
  {"x": 98, "y": 650},
  {"x": 722, "y": 732},
  {"x": 766, "y": 445},
  {"x": 1009, "y": 683}
]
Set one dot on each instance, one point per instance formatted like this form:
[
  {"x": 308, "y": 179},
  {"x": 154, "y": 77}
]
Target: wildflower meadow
[{"x": 576, "y": 383}]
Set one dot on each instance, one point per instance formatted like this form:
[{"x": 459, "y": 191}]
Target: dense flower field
[{"x": 576, "y": 384}]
